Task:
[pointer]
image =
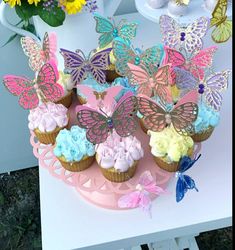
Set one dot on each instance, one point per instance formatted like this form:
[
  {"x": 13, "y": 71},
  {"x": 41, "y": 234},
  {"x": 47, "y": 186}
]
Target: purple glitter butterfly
[
  {"x": 210, "y": 87},
  {"x": 79, "y": 66},
  {"x": 190, "y": 37}
]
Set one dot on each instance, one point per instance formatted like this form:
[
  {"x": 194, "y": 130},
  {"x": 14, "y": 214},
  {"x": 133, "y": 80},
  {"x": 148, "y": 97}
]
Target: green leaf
[
  {"x": 55, "y": 17},
  {"x": 11, "y": 38},
  {"x": 26, "y": 10}
]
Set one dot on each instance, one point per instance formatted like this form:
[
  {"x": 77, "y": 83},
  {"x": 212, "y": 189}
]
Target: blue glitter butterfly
[
  {"x": 109, "y": 31},
  {"x": 124, "y": 53},
  {"x": 185, "y": 182}
]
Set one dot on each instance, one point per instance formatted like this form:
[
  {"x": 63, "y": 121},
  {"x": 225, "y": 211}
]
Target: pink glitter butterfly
[
  {"x": 190, "y": 37},
  {"x": 97, "y": 99},
  {"x": 99, "y": 125},
  {"x": 181, "y": 116},
  {"x": 40, "y": 54},
  {"x": 141, "y": 196},
  {"x": 158, "y": 84},
  {"x": 45, "y": 86},
  {"x": 196, "y": 64}
]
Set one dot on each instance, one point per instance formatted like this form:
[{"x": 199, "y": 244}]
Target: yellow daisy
[
  {"x": 72, "y": 6},
  {"x": 13, "y": 3},
  {"x": 34, "y": 1}
]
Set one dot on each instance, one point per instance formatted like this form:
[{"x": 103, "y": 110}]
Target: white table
[{"x": 70, "y": 222}]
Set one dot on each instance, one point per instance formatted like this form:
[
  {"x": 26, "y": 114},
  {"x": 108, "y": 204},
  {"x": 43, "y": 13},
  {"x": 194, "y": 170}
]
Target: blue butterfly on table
[
  {"x": 109, "y": 31},
  {"x": 185, "y": 182},
  {"x": 124, "y": 53}
]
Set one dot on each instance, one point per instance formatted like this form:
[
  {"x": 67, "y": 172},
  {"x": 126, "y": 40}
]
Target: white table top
[{"x": 70, "y": 222}]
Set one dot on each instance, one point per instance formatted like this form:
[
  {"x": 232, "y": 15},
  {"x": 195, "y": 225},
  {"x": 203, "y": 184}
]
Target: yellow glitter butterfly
[
  {"x": 219, "y": 20},
  {"x": 182, "y": 2}
]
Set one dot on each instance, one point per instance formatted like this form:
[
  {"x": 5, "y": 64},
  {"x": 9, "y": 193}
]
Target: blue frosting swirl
[
  {"x": 206, "y": 117},
  {"x": 73, "y": 145}
]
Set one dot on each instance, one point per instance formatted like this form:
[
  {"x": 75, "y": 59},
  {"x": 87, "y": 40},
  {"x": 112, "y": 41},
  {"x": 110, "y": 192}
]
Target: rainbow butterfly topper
[
  {"x": 184, "y": 182},
  {"x": 151, "y": 85},
  {"x": 99, "y": 124},
  {"x": 31, "y": 92},
  {"x": 210, "y": 87},
  {"x": 182, "y": 116},
  {"x": 124, "y": 53},
  {"x": 40, "y": 54},
  {"x": 223, "y": 25},
  {"x": 140, "y": 197},
  {"x": 196, "y": 63},
  {"x": 109, "y": 31},
  {"x": 178, "y": 37},
  {"x": 80, "y": 67},
  {"x": 97, "y": 99}
]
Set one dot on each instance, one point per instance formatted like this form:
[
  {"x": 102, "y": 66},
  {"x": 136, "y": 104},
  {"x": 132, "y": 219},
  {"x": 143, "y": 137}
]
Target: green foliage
[{"x": 25, "y": 11}]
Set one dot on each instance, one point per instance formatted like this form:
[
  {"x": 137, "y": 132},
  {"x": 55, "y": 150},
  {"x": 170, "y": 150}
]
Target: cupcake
[
  {"x": 66, "y": 82},
  {"x": 176, "y": 8},
  {"x": 73, "y": 150},
  {"x": 111, "y": 73},
  {"x": 207, "y": 120},
  {"x": 118, "y": 157},
  {"x": 168, "y": 147},
  {"x": 47, "y": 120}
]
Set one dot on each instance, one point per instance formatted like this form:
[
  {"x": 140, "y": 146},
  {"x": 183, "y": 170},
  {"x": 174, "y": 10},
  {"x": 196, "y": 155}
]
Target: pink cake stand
[{"x": 90, "y": 183}]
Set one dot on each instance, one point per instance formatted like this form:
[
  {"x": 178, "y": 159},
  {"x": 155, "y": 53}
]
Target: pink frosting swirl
[
  {"x": 119, "y": 152},
  {"x": 47, "y": 116}
]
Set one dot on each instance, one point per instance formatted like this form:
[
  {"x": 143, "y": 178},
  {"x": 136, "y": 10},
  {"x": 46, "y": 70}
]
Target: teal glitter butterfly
[
  {"x": 124, "y": 53},
  {"x": 109, "y": 30}
]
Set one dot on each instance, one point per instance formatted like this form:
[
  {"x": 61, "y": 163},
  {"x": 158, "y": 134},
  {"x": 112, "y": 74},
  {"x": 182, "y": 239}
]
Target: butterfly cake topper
[
  {"x": 97, "y": 99},
  {"x": 156, "y": 84},
  {"x": 43, "y": 88},
  {"x": 99, "y": 124},
  {"x": 222, "y": 31},
  {"x": 140, "y": 197},
  {"x": 197, "y": 63},
  {"x": 80, "y": 67},
  {"x": 185, "y": 182},
  {"x": 210, "y": 87},
  {"x": 40, "y": 54},
  {"x": 109, "y": 31},
  {"x": 124, "y": 53},
  {"x": 178, "y": 37},
  {"x": 182, "y": 116}
]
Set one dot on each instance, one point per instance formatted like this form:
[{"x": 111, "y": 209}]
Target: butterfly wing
[
  {"x": 123, "y": 53},
  {"x": 186, "y": 163},
  {"x": 195, "y": 32},
  {"x": 214, "y": 85},
  {"x": 126, "y": 30},
  {"x": 124, "y": 115},
  {"x": 74, "y": 62},
  {"x": 184, "y": 79},
  {"x": 111, "y": 93},
  {"x": 139, "y": 76},
  {"x": 170, "y": 31},
  {"x": 222, "y": 32},
  {"x": 130, "y": 200},
  {"x": 185, "y": 113},
  {"x": 33, "y": 50},
  {"x": 94, "y": 122},
  {"x": 22, "y": 87},
  {"x": 152, "y": 57},
  {"x": 47, "y": 82},
  {"x": 219, "y": 13},
  {"x": 201, "y": 60},
  {"x": 154, "y": 115},
  {"x": 50, "y": 46},
  {"x": 105, "y": 28},
  {"x": 162, "y": 80},
  {"x": 99, "y": 62}
]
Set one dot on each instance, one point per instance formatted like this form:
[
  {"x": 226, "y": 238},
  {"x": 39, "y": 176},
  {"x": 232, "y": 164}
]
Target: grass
[{"x": 20, "y": 226}]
